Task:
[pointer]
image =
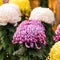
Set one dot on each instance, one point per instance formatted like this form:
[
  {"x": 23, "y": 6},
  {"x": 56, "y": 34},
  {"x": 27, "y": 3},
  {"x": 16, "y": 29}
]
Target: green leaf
[
  {"x": 1, "y": 47},
  {"x": 4, "y": 41},
  {"x": 1, "y": 34},
  {"x": 26, "y": 58},
  {"x": 2, "y": 56},
  {"x": 6, "y": 34},
  {"x": 10, "y": 49}
]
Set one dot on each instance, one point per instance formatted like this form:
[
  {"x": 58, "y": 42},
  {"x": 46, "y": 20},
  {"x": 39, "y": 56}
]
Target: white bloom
[
  {"x": 42, "y": 14},
  {"x": 9, "y": 13}
]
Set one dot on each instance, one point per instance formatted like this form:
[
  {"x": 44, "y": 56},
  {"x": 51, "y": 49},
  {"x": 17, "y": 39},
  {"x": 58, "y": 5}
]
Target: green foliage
[
  {"x": 49, "y": 36},
  {"x": 49, "y": 33},
  {"x": 31, "y": 54},
  {"x": 2, "y": 56},
  {"x": 6, "y": 46}
]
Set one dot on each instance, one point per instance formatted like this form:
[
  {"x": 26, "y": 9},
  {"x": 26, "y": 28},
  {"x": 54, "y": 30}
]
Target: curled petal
[
  {"x": 31, "y": 45},
  {"x": 14, "y": 42},
  {"x": 37, "y": 46},
  {"x": 27, "y": 46},
  {"x": 20, "y": 42}
]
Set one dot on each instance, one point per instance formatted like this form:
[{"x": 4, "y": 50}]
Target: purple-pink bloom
[
  {"x": 57, "y": 32},
  {"x": 29, "y": 33}
]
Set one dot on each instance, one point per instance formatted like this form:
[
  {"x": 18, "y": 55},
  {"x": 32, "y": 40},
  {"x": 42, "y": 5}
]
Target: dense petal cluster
[
  {"x": 30, "y": 32},
  {"x": 42, "y": 14},
  {"x": 24, "y": 5},
  {"x": 55, "y": 52},
  {"x": 9, "y": 13},
  {"x": 57, "y": 32}
]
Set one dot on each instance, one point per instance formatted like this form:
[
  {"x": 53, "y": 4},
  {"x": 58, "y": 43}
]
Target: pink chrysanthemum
[
  {"x": 57, "y": 36},
  {"x": 29, "y": 33}
]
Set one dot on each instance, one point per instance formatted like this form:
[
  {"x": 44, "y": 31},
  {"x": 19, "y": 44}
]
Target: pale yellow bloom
[
  {"x": 24, "y": 5},
  {"x": 1, "y": 2},
  {"x": 55, "y": 52}
]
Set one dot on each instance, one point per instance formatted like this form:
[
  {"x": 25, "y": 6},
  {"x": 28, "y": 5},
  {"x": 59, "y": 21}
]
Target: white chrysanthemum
[
  {"x": 42, "y": 14},
  {"x": 9, "y": 13}
]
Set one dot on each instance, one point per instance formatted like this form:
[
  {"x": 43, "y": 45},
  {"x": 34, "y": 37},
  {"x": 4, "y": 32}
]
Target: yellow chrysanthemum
[
  {"x": 1, "y": 2},
  {"x": 55, "y": 52},
  {"x": 24, "y": 5}
]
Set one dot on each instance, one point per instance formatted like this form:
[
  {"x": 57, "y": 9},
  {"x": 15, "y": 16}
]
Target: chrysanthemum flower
[
  {"x": 42, "y": 14},
  {"x": 57, "y": 32},
  {"x": 55, "y": 52},
  {"x": 30, "y": 33},
  {"x": 24, "y": 5},
  {"x": 9, "y": 13}
]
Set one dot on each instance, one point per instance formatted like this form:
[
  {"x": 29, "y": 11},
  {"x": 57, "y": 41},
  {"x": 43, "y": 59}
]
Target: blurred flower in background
[
  {"x": 1, "y": 2},
  {"x": 24, "y": 5},
  {"x": 5, "y": 1}
]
